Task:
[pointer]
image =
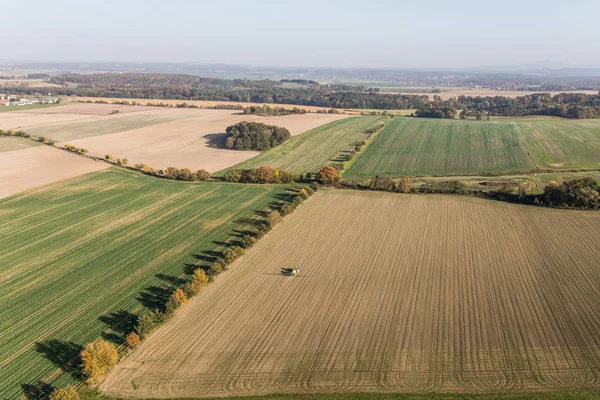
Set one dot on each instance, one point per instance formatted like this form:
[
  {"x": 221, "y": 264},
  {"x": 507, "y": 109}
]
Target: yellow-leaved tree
[{"x": 97, "y": 359}]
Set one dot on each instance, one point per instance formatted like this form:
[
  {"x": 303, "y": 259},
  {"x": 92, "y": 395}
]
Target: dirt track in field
[
  {"x": 397, "y": 293},
  {"x": 196, "y": 141},
  {"x": 27, "y": 168}
]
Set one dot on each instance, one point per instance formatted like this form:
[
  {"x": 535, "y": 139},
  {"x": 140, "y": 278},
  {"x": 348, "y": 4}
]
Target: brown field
[
  {"x": 87, "y": 109},
  {"x": 35, "y": 166},
  {"x": 397, "y": 293},
  {"x": 33, "y": 83},
  {"x": 25, "y": 120},
  {"x": 195, "y": 141},
  {"x": 199, "y": 103}
]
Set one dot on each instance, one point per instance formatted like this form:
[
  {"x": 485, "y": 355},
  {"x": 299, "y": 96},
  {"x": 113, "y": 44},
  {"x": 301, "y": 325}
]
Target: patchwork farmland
[
  {"x": 79, "y": 256},
  {"x": 415, "y": 146},
  {"x": 321, "y": 146},
  {"x": 397, "y": 293}
]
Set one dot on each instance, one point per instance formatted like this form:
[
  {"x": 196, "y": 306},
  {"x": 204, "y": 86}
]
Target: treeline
[
  {"x": 255, "y": 136},
  {"x": 564, "y": 105},
  {"x": 262, "y": 174},
  {"x": 267, "y": 111},
  {"x": 300, "y": 81},
  {"x": 577, "y": 193}
]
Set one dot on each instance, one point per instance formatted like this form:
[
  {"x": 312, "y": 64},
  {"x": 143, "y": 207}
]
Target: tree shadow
[
  {"x": 62, "y": 354},
  {"x": 216, "y": 140},
  {"x": 37, "y": 391},
  {"x": 154, "y": 297},
  {"x": 120, "y": 323},
  {"x": 172, "y": 280}
]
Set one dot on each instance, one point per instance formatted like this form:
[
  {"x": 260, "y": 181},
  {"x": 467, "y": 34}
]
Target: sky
[{"x": 323, "y": 33}]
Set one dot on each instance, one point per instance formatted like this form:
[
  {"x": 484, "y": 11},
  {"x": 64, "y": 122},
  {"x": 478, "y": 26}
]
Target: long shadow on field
[
  {"x": 37, "y": 391},
  {"x": 154, "y": 297},
  {"x": 62, "y": 354},
  {"x": 216, "y": 140},
  {"x": 172, "y": 280},
  {"x": 121, "y": 323}
]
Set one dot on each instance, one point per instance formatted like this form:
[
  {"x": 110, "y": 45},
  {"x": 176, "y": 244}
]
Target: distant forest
[{"x": 188, "y": 87}]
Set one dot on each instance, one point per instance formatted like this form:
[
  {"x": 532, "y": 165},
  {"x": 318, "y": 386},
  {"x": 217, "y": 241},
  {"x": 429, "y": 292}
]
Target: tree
[
  {"x": 405, "y": 184},
  {"x": 124, "y": 161},
  {"x": 200, "y": 279},
  {"x": 97, "y": 360},
  {"x": 171, "y": 172},
  {"x": 66, "y": 393},
  {"x": 202, "y": 175},
  {"x": 274, "y": 217},
  {"x": 184, "y": 174},
  {"x": 255, "y": 136},
  {"x": 176, "y": 300},
  {"x": 327, "y": 175},
  {"x": 132, "y": 340},
  {"x": 233, "y": 175}
]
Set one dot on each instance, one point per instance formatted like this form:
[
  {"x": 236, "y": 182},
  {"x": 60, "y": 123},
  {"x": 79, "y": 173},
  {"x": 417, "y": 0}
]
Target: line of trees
[
  {"x": 262, "y": 174},
  {"x": 255, "y": 136},
  {"x": 267, "y": 111}
]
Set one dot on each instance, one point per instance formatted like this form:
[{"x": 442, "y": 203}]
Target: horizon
[{"x": 338, "y": 34}]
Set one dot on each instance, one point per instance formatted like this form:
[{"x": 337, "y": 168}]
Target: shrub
[
  {"x": 124, "y": 161},
  {"x": 345, "y": 165},
  {"x": 171, "y": 172},
  {"x": 215, "y": 268},
  {"x": 97, "y": 359},
  {"x": 200, "y": 279},
  {"x": 233, "y": 175},
  {"x": 286, "y": 209},
  {"x": 51, "y": 142},
  {"x": 184, "y": 174},
  {"x": 314, "y": 186},
  {"x": 248, "y": 241},
  {"x": 84, "y": 150},
  {"x": 584, "y": 193},
  {"x": 309, "y": 191},
  {"x": 404, "y": 186},
  {"x": 66, "y": 393},
  {"x": 201, "y": 175},
  {"x": 302, "y": 192},
  {"x": 149, "y": 321},
  {"x": 108, "y": 157},
  {"x": 381, "y": 183},
  {"x": 274, "y": 218},
  {"x": 285, "y": 177},
  {"x": 176, "y": 300},
  {"x": 119, "y": 161},
  {"x": 232, "y": 253},
  {"x": 41, "y": 138},
  {"x": 132, "y": 340},
  {"x": 327, "y": 175}
]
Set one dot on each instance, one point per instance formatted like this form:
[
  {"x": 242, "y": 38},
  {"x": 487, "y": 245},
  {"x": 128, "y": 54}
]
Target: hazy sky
[{"x": 376, "y": 33}]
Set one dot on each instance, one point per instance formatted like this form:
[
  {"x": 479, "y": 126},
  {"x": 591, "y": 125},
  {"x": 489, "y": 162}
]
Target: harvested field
[
  {"x": 104, "y": 125},
  {"x": 419, "y": 146},
  {"x": 78, "y": 257},
  {"x": 35, "y": 166},
  {"x": 10, "y": 143},
  {"x": 29, "y": 120},
  {"x": 397, "y": 293},
  {"x": 321, "y": 146},
  {"x": 199, "y": 103},
  {"x": 195, "y": 140},
  {"x": 90, "y": 109}
]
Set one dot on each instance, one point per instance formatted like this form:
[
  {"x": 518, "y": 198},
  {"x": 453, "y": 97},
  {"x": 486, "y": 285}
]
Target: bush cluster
[
  {"x": 255, "y": 136},
  {"x": 262, "y": 174},
  {"x": 267, "y": 111},
  {"x": 74, "y": 149},
  {"x": 581, "y": 193},
  {"x": 185, "y": 174},
  {"x": 13, "y": 133}
]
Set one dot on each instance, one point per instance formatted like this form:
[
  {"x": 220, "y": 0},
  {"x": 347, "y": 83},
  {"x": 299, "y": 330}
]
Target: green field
[
  {"x": 108, "y": 124},
  {"x": 26, "y": 107},
  {"x": 318, "y": 147},
  {"x": 76, "y": 257},
  {"x": 10, "y": 143},
  {"x": 414, "y": 146}
]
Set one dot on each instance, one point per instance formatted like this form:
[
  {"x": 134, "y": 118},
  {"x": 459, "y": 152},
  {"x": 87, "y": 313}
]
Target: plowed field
[{"x": 397, "y": 293}]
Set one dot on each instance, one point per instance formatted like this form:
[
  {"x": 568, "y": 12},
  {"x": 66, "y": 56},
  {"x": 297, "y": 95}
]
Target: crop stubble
[{"x": 396, "y": 294}]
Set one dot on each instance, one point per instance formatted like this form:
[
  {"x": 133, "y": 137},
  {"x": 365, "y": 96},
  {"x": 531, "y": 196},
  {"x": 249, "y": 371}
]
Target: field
[
  {"x": 10, "y": 143},
  {"x": 312, "y": 150},
  {"x": 39, "y": 165},
  {"x": 397, "y": 293},
  {"x": 79, "y": 256},
  {"x": 4, "y": 109},
  {"x": 412, "y": 146}
]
